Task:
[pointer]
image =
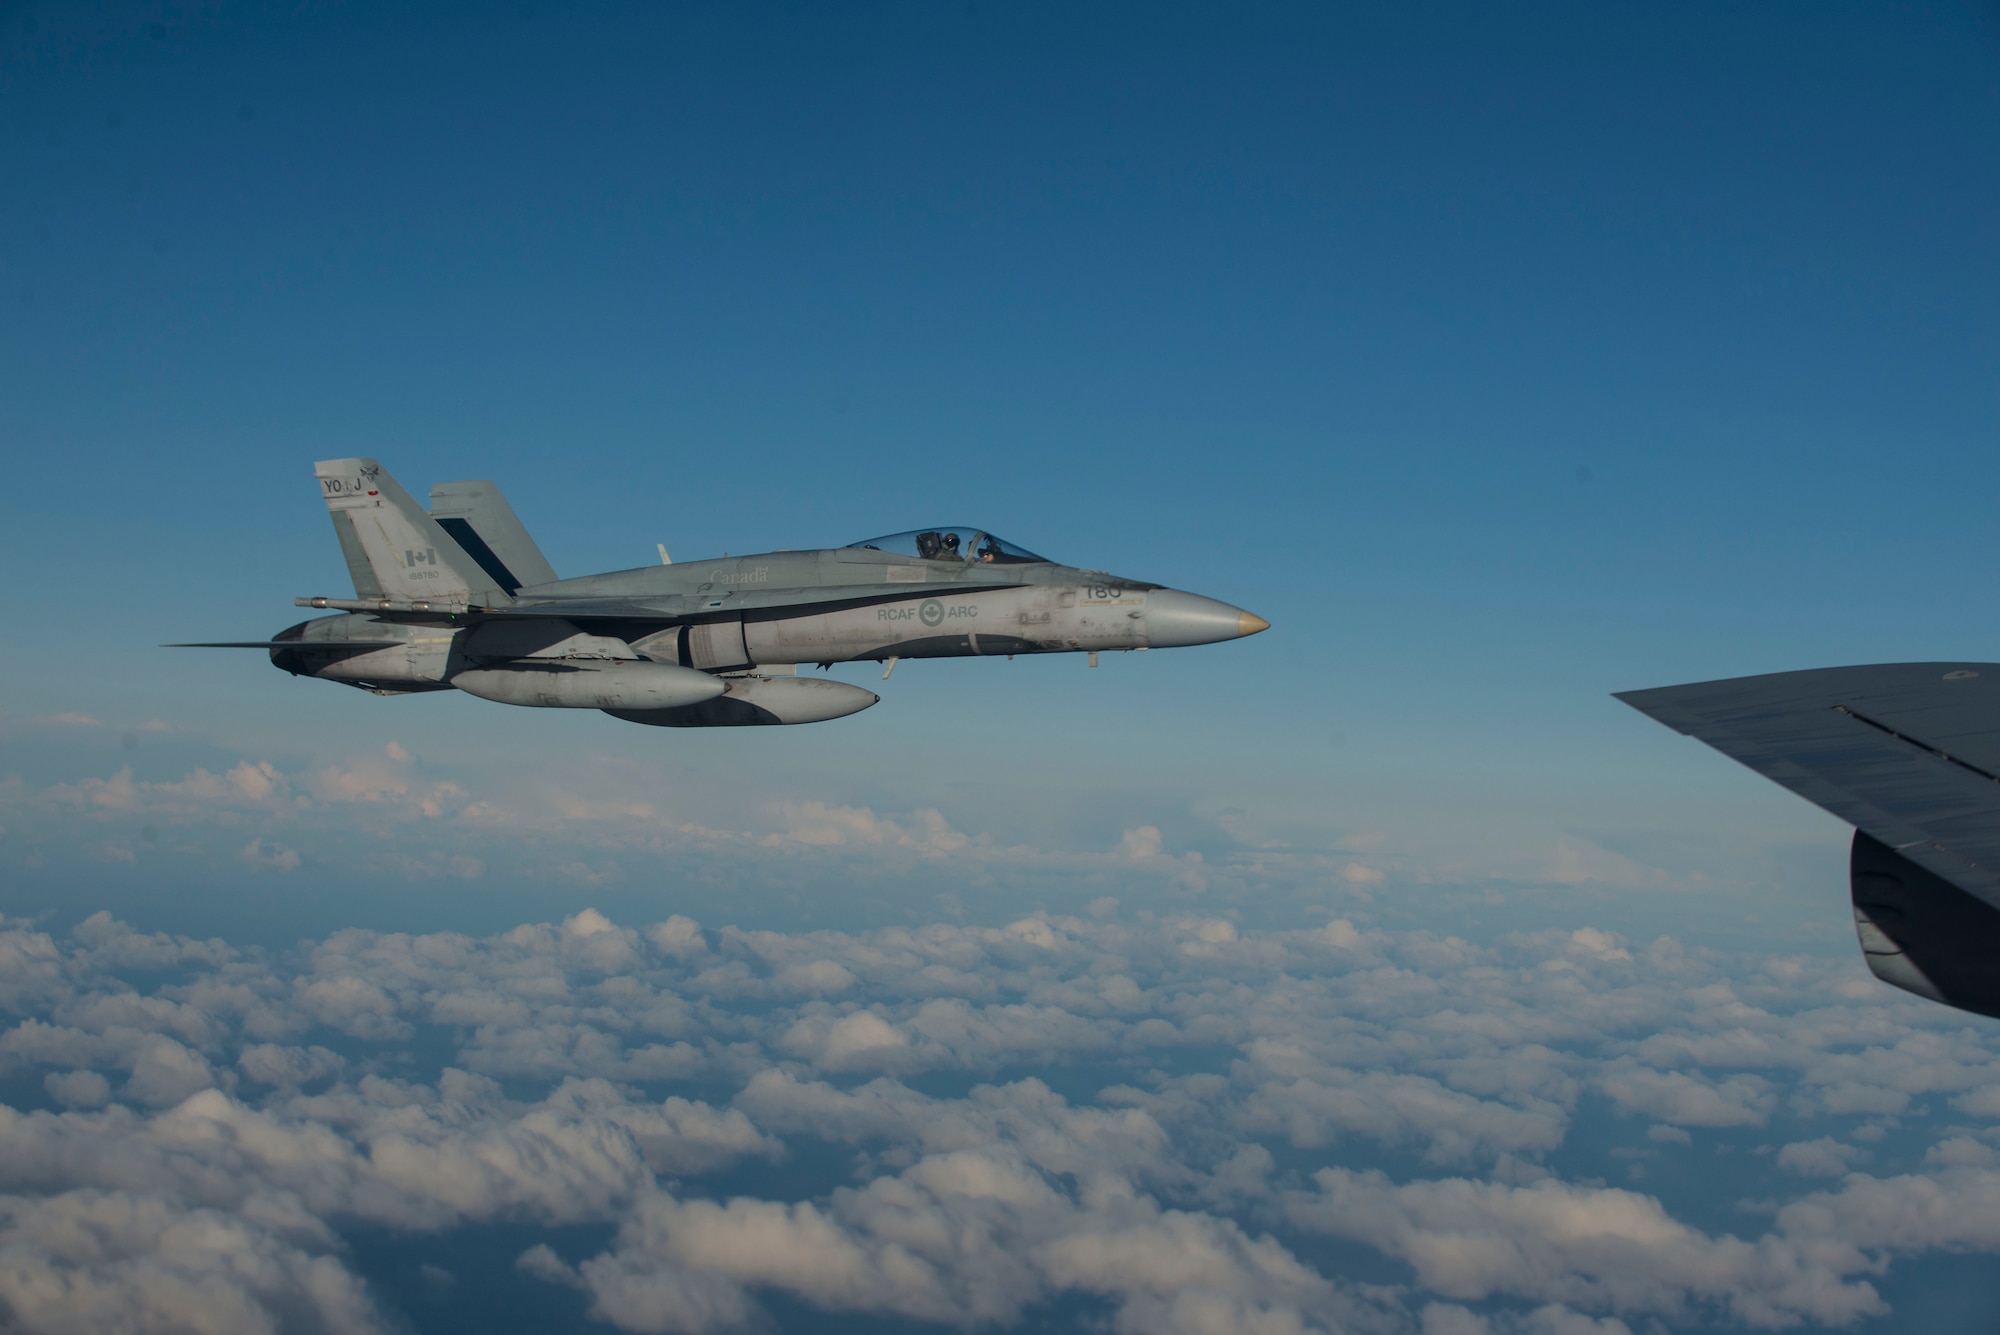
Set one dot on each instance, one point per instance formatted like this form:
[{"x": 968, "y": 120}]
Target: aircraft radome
[{"x": 459, "y": 598}]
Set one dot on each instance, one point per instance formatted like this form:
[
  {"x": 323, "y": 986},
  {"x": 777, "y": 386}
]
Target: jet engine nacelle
[
  {"x": 610, "y": 684},
  {"x": 749, "y": 702},
  {"x": 345, "y": 649},
  {"x": 1923, "y": 934}
]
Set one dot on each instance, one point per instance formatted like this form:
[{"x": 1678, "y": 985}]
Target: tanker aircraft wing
[{"x": 1909, "y": 754}]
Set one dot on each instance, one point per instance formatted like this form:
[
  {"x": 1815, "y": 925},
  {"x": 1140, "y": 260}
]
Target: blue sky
[
  {"x": 1501, "y": 360},
  {"x": 1500, "y": 357}
]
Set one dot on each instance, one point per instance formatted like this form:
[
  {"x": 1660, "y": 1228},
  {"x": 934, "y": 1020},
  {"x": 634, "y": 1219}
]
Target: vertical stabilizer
[
  {"x": 393, "y": 548},
  {"x": 479, "y": 518}
]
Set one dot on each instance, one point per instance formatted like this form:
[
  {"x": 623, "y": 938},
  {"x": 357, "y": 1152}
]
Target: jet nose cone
[{"x": 1175, "y": 619}]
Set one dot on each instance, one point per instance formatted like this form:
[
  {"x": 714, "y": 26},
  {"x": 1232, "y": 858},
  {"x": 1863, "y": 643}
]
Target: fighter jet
[
  {"x": 1907, "y": 753},
  {"x": 459, "y": 598}
]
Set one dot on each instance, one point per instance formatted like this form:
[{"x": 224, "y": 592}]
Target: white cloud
[
  {"x": 1142, "y": 842},
  {"x": 352, "y": 1005},
  {"x": 164, "y": 1072},
  {"x": 115, "y": 1261},
  {"x": 269, "y": 857},
  {"x": 288, "y": 1067},
  {"x": 260, "y": 782},
  {"x": 971, "y": 1235},
  {"x": 1583, "y": 1246},
  {"x": 77, "y": 1089},
  {"x": 1118, "y": 1108},
  {"x": 1685, "y": 1100},
  {"x": 1825, "y": 1157},
  {"x": 818, "y": 977}
]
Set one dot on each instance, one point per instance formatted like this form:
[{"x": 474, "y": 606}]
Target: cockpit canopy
[{"x": 959, "y": 545}]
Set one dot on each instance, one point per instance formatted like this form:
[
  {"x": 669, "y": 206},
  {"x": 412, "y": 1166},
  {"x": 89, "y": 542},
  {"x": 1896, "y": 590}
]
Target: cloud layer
[
  {"x": 385, "y": 816},
  {"x": 1175, "y": 1124}
]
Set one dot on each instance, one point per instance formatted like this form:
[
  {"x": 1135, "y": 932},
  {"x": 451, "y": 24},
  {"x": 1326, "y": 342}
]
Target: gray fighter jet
[
  {"x": 459, "y": 598},
  {"x": 1907, "y": 753}
]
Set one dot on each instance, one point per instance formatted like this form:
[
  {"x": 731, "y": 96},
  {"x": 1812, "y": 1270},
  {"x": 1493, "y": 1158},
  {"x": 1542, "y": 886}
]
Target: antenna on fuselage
[{"x": 665, "y": 560}]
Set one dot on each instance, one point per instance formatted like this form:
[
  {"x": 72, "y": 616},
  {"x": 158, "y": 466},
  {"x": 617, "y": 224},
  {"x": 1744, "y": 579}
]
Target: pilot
[
  {"x": 989, "y": 551},
  {"x": 950, "y": 546}
]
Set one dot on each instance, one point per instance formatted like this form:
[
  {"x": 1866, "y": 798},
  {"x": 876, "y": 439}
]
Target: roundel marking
[{"x": 932, "y": 612}]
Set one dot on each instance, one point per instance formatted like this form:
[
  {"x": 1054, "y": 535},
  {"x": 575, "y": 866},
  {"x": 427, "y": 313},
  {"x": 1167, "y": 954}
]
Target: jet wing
[{"x": 1909, "y": 753}]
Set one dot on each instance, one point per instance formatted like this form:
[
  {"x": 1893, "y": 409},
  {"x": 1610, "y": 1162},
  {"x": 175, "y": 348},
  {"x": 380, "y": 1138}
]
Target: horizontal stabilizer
[{"x": 1909, "y": 753}]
